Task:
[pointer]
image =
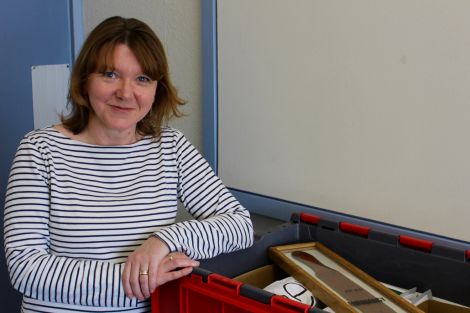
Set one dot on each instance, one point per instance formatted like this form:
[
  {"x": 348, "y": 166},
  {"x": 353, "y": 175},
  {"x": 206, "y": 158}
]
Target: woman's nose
[{"x": 124, "y": 90}]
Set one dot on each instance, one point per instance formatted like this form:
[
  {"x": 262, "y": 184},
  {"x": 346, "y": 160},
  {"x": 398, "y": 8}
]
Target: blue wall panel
[{"x": 32, "y": 32}]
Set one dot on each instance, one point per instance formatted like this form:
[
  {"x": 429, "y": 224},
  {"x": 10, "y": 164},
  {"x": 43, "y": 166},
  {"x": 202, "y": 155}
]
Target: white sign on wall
[{"x": 50, "y": 88}]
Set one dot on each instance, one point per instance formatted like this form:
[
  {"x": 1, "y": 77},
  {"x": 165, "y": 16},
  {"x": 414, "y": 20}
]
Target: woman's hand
[{"x": 150, "y": 266}]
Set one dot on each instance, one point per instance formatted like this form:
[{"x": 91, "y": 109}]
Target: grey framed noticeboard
[{"x": 354, "y": 109}]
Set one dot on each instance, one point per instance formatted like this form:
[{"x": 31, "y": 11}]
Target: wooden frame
[{"x": 335, "y": 281}]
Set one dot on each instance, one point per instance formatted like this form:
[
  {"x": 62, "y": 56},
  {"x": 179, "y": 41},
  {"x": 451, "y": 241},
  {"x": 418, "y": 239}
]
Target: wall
[{"x": 177, "y": 23}]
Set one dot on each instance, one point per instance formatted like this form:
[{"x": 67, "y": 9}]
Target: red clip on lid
[
  {"x": 224, "y": 282},
  {"x": 415, "y": 243},
  {"x": 468, "y": 254},
  {"x": 280, "y": 302},
  {"x": 354, "y": 229},
  {"x": 309, "y": 218}
]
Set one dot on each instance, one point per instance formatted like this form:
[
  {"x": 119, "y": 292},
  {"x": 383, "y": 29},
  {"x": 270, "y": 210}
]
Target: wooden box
[{"x": 336, "y": 282}]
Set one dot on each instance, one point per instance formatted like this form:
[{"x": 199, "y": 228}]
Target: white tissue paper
[{"x": 292, "y": 289}]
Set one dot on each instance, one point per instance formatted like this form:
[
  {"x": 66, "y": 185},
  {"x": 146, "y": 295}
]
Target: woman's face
[{"x": 121, "y": 96}]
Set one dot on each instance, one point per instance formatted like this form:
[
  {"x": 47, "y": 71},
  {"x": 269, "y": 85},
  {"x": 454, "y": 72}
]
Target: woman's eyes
[
  {"x": 144, "y": 79},
  {"x": 141, "y": 79},
  {"x": 110, "y": 74}
]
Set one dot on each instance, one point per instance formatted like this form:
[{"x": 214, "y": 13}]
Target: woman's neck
[{"x": 98, "y": 137}]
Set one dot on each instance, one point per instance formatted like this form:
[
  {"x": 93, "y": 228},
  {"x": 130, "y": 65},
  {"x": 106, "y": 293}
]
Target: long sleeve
[
  {"x": 221, "y": 223},
  {"x": 33, "y": 267}
]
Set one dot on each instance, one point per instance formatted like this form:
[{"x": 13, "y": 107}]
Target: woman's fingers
[
  {"x": 174, "y": 266},
  {"x": 141, "y": 268},
  {"x": 175, "y": 274},
  {"x": 147, "y": 268},
  {"x": 152, "y": 277},
  {"x": 135, "y": 281},
  {"x": 144, "y": 284},
  {"x": 126, "y": 274}
]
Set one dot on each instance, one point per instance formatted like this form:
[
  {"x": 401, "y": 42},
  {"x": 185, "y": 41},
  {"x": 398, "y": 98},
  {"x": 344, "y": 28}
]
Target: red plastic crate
[{"x": 215, "y": 294}]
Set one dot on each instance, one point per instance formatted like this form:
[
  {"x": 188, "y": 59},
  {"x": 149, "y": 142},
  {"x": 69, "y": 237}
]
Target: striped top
[{"x": 75, "y": 211}]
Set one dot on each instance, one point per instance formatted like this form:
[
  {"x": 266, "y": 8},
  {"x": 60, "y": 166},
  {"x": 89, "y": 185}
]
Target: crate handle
[
  {"x": 354, "y": 229},
  {"x": 309, "y": 218},
  {"x": 291, "y": 305},
  {"x": 415, "y": 243},
  {"x": 224, "y": 282}
]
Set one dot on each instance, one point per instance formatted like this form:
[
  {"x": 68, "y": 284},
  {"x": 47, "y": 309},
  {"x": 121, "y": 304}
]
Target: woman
[{"x": 90, "y": 210}]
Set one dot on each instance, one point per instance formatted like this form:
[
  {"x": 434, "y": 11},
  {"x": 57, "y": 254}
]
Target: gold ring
[
  {"x": 143, "y": 273},
  {"x": 171, "y": 257}
]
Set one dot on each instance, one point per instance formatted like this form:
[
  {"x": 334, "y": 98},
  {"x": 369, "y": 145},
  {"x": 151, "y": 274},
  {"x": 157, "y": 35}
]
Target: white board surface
[{"x": 360, "y": 107}]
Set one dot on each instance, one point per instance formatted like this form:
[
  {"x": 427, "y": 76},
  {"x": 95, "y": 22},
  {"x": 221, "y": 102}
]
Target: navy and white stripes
[{"x": 74, "y": 212}]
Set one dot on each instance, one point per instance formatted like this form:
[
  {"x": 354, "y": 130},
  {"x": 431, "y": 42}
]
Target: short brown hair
[{"x": 97, "y": 49}]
